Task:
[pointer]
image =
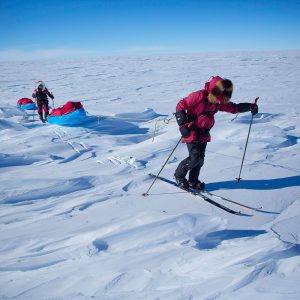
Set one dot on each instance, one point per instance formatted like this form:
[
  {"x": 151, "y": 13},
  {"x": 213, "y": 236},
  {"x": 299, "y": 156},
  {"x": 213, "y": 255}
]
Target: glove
[
  {"x": 181, "y": 117},
  {"x": 185, "y": 131},
  {"x": 51, "y": 96},
  {"x": 254, "y": 109},
  {"x": 244, "y": 107}
]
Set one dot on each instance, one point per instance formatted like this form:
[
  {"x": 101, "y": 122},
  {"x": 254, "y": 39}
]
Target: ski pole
[
  {"x": 147, "y": 193},
  {"x": 239, "y": 178},
  {"x": 34, "y": 111}
]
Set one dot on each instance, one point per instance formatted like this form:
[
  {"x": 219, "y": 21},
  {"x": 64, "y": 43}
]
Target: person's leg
[
  {"x": 187, "y": 164},
  {"x": 197, "y": 154},
  {"x": 46, "y": 109},
  {"x": 182, "y": 170},
  {"x": 40, "y": 110},
  {"x": 194, "y": 173}
]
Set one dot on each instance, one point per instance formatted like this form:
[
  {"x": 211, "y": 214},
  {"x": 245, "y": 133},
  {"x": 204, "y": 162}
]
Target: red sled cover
[
  {"x": 66, "y": 109},
  {"x": 24, "y": 101}
]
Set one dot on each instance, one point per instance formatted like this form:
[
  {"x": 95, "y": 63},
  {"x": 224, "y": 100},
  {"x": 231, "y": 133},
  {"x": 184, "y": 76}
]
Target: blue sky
[{"x": 82, "y": 27}]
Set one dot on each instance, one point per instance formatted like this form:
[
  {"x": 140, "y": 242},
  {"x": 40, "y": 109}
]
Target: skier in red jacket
[
  {"x": 195, "y": 117},
  {"x": 41, "y": 94}
]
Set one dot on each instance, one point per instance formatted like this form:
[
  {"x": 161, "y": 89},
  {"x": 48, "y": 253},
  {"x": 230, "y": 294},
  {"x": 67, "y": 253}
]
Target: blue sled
[
  {"x": 74, "y": 118},
  {"x": 28, "y": 106}
]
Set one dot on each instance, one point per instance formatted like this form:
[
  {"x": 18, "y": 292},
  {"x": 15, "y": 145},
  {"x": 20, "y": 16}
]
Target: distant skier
[
  {"x": 195, "y": 117},
  {"x": 41, "y": 94}
]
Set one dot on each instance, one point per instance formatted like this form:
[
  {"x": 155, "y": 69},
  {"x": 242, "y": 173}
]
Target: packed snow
[{"x": 73, "y": 221}]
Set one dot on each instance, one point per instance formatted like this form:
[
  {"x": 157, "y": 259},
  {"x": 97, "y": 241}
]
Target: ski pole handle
[{"x": 255, "y": 100}]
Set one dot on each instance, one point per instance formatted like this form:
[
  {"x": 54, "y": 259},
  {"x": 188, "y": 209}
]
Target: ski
[
  {"x": 202, "y": 196},
  {"x": 231, "y": 201}
]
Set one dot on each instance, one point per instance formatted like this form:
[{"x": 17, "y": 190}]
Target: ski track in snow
[{"x": 73, "y": 222}]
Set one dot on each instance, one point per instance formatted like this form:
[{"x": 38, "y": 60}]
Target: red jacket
[
  {"x": 42, "y": 95},
  {"x": 201, "y": 113}
]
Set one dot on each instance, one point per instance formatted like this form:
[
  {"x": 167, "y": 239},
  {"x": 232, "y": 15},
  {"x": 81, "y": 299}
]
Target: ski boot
[
  {"x": 198, "y": 186},
  {"x": 182, "y": 182}
]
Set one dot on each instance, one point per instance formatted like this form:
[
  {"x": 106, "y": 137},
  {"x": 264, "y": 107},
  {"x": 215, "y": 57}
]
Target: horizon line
[{"x": 60, "y": 53}]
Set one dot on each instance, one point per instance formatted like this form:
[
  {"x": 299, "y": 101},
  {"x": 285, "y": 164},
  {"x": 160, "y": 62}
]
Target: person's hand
[
  {"x": 254, "y": 109},
  {"x": 185, "y": 131},
  {"x": 52, "y": 97}
]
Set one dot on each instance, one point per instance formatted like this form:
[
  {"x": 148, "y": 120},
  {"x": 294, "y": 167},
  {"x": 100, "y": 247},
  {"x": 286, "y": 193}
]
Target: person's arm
[
  {"x": 235, "y": 108},
  {"x": 34, "y": 94},
  {"x": 189, "y": 102},
  {"x": 181, "y": 116},
  {"x": 49, "y": 94}
]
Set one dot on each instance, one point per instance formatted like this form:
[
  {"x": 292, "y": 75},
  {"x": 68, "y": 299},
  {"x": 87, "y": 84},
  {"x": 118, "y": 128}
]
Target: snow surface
[{"x": 73, "y": 221}]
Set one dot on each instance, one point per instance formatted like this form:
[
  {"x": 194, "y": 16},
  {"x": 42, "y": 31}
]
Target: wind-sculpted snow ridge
[
  {"x": 8, "y": 160},
  {"x": 55, "y": 190},
  {"x": 9, "y": 111},
  {"x": 73, "y": 221},
  {"x": 147, "y": 114}
]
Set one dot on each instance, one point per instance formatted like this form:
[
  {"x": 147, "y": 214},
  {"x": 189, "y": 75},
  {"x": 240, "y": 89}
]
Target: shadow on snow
[
  {"x": 113, "y": 127},
  {"x": 261, "y": 184},
  {"x": 102, "y": 126},
  {"x": 214, "y": 239}
]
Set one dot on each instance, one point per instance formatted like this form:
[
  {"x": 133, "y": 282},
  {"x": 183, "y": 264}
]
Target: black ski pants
[
  {"x": 43, "y": 104},
  {"x": 192, "y": 163}
]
